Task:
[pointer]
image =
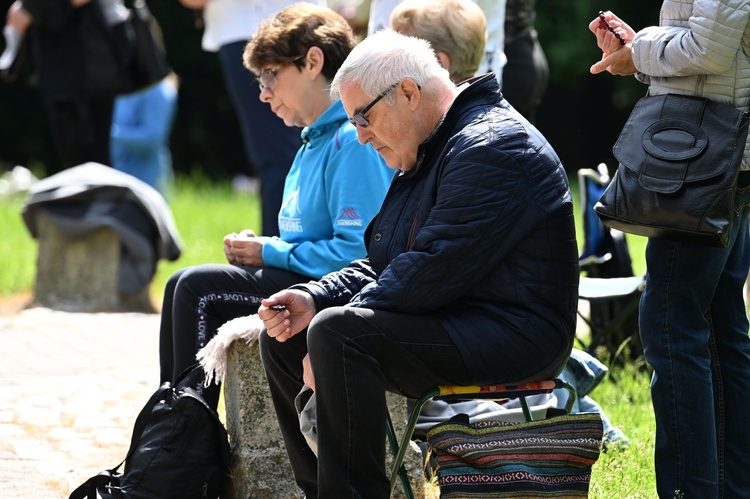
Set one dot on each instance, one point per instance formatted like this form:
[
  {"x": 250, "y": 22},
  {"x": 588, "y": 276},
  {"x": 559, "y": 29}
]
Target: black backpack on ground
[{"x": 179, "y": 450}]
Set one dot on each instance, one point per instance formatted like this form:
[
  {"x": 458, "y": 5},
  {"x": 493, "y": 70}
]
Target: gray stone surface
[
  {"x": 260, "y": 466},
  {"x": 80, "y": 275},
  {"x": 71, "y": 387}
]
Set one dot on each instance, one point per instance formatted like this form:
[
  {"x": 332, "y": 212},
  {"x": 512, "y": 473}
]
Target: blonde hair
[
  {"x": 456, "y": 27},
  {"x": 385, "y": 58}
]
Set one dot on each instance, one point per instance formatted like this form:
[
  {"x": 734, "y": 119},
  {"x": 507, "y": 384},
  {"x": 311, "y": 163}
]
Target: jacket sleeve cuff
[
  {"x": 316, "y": 291},
  {"x": 276, "y": 253}
]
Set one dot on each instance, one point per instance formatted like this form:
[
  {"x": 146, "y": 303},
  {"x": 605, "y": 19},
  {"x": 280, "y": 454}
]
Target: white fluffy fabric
[{"x": 213, "y": 357}]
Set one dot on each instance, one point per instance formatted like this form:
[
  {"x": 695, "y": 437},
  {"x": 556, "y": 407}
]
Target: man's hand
[{"x": 299, "y": 311}]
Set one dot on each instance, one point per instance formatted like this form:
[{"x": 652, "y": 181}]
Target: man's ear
[
  {"x": 314, "y": 62},
  {"x": 412, "y": 92},
  {"x": 444, "y": 60}
]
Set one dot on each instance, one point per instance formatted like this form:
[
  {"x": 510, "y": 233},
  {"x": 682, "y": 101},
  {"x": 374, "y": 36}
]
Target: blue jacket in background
[
  {"x": 479, "y": 235},
  {"x": 141, "y": 125},
  {"x": 333, "y": 190}
]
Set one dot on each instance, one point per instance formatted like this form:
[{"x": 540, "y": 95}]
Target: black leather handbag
[
  {"x": 149, "y": 60},
  {"x": 679, "y": 159}
]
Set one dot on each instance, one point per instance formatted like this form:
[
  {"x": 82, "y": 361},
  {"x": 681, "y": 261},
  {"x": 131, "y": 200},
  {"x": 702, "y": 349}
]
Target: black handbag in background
[
  {"x": 679, "y": 159},
  {"x": 149, "y": 63},
  {"x": 130, "y": 53}
]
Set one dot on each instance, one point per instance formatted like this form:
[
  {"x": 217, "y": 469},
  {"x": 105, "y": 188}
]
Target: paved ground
[{"x": 71, "y": 386}]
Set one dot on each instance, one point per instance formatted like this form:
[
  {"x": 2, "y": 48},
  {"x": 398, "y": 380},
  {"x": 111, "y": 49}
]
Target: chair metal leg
[
  {"x": 526, "y": 409},
  {"x": 400, "y": 450},
  {"x": 572, "y": 395},
  {"x": 401, "y": 470}
]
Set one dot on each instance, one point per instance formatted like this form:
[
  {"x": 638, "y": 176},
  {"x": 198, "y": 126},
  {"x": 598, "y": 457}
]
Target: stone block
[
  {"x": 260, "y": 467},
  {"x": 80, "y": 275}
]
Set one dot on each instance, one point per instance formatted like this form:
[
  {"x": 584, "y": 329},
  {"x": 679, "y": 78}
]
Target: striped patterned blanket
[{"x": 549, "y": 458}]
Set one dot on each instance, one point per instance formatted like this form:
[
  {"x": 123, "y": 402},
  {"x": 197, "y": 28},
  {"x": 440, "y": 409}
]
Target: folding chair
[
  {"x": 452, "y": 392},
  {"x": 610, "y": 287}
]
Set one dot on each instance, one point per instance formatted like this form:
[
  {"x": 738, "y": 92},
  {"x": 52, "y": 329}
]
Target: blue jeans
[
  {"x": 269, "y": 144},
  {"x": 694, "y": 329}
]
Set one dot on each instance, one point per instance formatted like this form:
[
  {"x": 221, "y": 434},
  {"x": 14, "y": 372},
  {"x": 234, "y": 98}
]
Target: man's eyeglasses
[
  {"x": 359, "y": 119},
  {"x": 267, "y": 78},
  {"x": 603, "y": 24}
]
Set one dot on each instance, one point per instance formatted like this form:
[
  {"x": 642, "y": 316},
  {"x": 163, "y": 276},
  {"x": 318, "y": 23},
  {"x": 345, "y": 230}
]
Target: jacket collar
[
  {"x": 480, "y": 90},
  {"x": 331, "y": 119}
]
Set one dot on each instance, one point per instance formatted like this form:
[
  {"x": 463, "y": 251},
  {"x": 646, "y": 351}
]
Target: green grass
[
  {"x": 626, "y": 473},
  {"x": 205, "y": 212}
]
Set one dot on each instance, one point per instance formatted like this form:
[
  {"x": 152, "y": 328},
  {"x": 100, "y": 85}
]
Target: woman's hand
[
  {"x": 599, "y": 28},
  {"x": 244, "y": 249},
  {"x": 619, "y": 62},
  {"x": 613, "y": 37},
  {"x": 296, "y": 316}
]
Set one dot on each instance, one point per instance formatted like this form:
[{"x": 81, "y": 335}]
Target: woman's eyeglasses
[
  {"x": 603, "y": 24},
  {"x": 359, "y": 119},
  {"x": 267, "y": 79}
]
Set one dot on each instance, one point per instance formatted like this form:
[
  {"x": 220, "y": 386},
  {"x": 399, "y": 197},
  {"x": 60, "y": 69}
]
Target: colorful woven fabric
[{"x": 549, "y": 458}]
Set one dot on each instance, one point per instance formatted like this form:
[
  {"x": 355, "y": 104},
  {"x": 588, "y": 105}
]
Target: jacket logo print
[{"x": 349, "y": 218}]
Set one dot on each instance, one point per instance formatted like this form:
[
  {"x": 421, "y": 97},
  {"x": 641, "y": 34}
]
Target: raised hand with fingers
[{"x": 613, "y": 37}]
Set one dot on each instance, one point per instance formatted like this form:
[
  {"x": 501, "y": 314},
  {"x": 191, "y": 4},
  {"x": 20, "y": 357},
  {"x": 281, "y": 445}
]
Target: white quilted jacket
[{"x": 701, "y": 47}]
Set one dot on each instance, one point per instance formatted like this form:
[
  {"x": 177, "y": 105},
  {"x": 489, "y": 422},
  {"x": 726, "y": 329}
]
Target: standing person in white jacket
[
  {"x": 270, "y": 146},
  {"x": 693, "y": 321}
]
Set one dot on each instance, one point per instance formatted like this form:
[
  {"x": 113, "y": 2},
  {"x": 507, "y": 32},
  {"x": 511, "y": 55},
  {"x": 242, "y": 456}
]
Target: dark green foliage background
[{"x": 581, "y": 114}]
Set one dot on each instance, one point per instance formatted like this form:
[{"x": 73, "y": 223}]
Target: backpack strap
[
  {"x": 109, "y": 480},
  {"x": 142, "y": 420}
]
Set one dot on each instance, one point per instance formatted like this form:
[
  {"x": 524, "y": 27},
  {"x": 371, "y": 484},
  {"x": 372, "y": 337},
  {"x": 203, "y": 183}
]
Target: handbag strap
[{"x": 680, "y": 108}]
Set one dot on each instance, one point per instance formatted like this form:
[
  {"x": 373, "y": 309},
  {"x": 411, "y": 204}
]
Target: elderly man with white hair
[{"x": 471, "y": 275}]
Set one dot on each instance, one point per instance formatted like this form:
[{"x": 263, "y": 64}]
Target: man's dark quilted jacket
[{"x": 480, "y": 234}]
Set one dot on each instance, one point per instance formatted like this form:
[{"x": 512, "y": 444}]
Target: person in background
[
  {"x": 78, "y": 70},
  {"x": 334, "y": 188},
  {"x": 141, "y": 125},
  {"x": 692, "y": 318},
  {"x": 456, "y": 31},
  {"x": 269, "y": 145},
  {"x": 494, "y": 13},
  {"x": 460, "y": 284},
  {"x": 526, "y": 73}
]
